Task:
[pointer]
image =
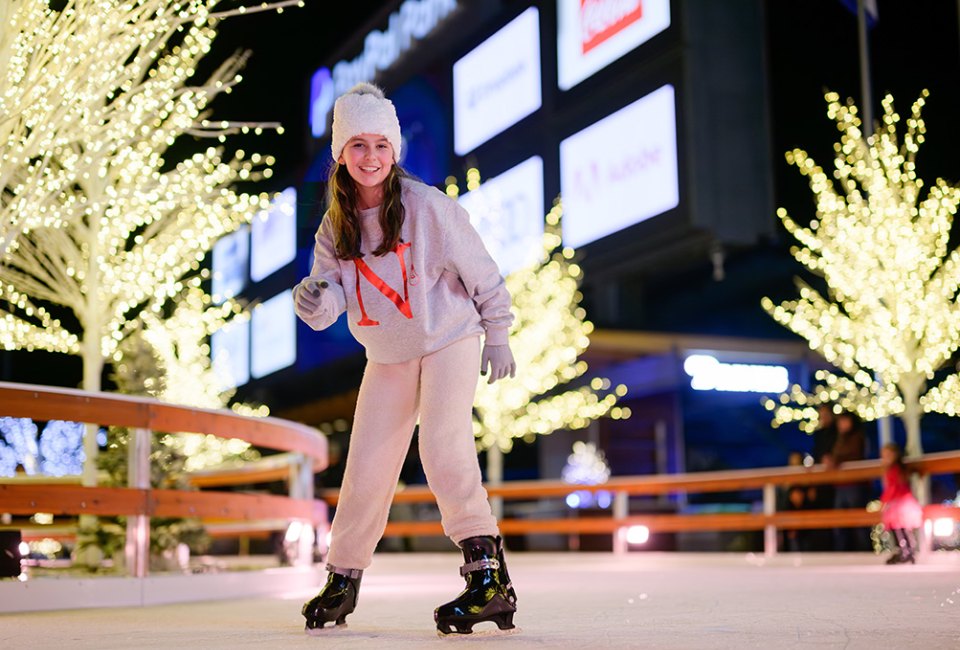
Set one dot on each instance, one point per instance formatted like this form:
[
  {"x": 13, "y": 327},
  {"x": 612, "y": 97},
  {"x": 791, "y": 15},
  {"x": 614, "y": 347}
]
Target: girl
[
  {"x": 419, "y": 289},
  {"x": 902, "y": 513}
]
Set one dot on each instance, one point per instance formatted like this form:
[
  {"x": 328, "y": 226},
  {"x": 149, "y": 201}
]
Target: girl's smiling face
[{"x": 368, "y": 158}]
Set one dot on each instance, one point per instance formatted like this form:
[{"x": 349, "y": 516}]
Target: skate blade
[
  {"x": 320, "y": 631},
  {"x": 486, "y": 632}
]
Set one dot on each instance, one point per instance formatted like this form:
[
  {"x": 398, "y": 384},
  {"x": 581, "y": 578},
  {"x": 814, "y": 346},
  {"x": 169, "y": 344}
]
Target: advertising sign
[
  {"x": 620, "y": 170},
  {"x": 507, "y": 211},
  {"x": 274, "y": 236},
  {"x": 498, "y": 83},
  {"x": 273, "y": 335},
  {"x": 230, "y": 353},
  {"x": 591, "y": 34},
  {"x": 231, "y": 256}
]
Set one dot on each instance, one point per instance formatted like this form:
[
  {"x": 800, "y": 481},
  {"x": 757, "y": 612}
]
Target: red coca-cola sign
[{"x": 601, "y": 19}]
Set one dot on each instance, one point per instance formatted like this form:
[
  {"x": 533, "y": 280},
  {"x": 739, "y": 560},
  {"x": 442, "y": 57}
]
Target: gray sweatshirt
[{"x": 439, "y": 286}]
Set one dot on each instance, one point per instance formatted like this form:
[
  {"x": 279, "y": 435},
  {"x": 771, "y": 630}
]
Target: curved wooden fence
[{"x": 138, "y": 502}]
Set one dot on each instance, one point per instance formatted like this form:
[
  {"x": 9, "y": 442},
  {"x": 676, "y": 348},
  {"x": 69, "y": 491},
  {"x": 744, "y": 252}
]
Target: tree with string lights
[
  {"x": 888, "y": 318},
  {"x": 165, "y": 359},
  {"x": 48, "y": 100},
  {"x": 105, "y": 227},
  {"x": 70, "y": 80}
]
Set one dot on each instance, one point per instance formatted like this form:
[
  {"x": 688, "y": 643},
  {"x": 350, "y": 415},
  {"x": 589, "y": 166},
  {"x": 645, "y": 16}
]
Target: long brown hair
[{"x": 344, "y": 215}]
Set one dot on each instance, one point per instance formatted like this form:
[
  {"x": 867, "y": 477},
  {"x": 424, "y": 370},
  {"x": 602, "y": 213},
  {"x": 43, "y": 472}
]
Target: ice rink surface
[{"x": 568, "y": 600}]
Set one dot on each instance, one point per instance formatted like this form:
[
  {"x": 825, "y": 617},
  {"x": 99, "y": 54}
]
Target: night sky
[{"x": 813, "y": 46}]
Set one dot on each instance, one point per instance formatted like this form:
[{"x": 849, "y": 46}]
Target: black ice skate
[
  {"x": 486, "y": 596},
  {"x": 905, "y": 549},
  {"x": 504, "y": 576},
  {"x": 337, "y": 599}
]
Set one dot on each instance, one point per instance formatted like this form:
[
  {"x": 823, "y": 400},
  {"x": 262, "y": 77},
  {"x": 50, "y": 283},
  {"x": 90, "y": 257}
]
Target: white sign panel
[
  {"x": 498, "y": 83},
  {"x": 231, "y": 255},
  {"x": 273, "y": 334},
  {"x": 593, "y": 33},
  {"x": 274, "y": 236},
  {"x": 507, "y": 211},
  {"x": 230, "y": 352},
  {"x": 706, "y": 373},
  {"x": 621, "y": 170}
]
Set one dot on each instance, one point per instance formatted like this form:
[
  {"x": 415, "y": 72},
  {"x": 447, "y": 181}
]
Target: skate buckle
[
  {"x": 353, "y": 574},
  {"x": 480, "y": 565}
]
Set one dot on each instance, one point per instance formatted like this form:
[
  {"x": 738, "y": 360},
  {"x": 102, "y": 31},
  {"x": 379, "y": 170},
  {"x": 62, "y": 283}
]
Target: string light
[
  {"x": 176, "y": 369},
  {"x": 889, "y": 320},
  {"x": 587, "y": 465}
]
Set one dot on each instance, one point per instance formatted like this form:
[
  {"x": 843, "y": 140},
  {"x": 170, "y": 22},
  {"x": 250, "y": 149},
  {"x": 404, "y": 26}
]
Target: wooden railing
[
  {"x": 764, "y": 480},
  {"x": 138, "y": 502}
]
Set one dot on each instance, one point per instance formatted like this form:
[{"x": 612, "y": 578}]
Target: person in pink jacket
[
  {"x": 902, "y": 514},
  {"x": 420, "y": 292}
]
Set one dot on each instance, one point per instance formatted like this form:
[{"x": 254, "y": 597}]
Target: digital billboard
[
  {"x": 273, "y": 338},
  {"x": 231, "y": 257},
  {"x": 591, "y": 34},
  {"x": 497, "y": 83},
  {"x": 507, "y": 211},
  {"x": 621, "y": 170},
  {"x": 273, "y": 236},
  {"x": 230, "y": 353}
]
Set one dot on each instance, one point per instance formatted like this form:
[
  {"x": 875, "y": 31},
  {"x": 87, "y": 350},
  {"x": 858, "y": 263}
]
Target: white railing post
[
  {"x": 137, "y": 548},
  {"x": 621, "y": 506},
  {"x": 495, "y": 478},
  {"x": 769, "y": 509},
  {"x": 301, "y": 487}
]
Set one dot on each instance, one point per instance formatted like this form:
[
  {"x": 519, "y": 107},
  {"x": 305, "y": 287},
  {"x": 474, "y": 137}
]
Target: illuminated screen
[
  {"x": 273, "y": 335},
  {"x": 231, "y": 255},
  {"x": 507, "y": 211},
  {"x": 707, "y": 373},
  {"x": 498, "y": 83},
  {"x": 230, "y": 351},
  {"x": 273, "y": 236},
  {"x": 621, "y": 170},
  {"x": 593, "y": 33}
]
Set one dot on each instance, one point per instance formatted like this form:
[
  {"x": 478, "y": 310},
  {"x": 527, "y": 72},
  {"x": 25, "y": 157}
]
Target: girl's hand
[
  {"x": 500, "y": 361},
  {"x": 308, "y": 295}
]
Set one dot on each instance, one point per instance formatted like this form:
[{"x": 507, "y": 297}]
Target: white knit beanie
[{"x": 364, "y": 109}]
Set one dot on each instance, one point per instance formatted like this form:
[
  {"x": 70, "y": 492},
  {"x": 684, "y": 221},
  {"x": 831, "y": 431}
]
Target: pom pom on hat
[{"x": 364, "y": 109}]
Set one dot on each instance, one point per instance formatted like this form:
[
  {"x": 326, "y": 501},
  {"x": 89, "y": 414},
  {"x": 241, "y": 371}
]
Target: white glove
[
  {"x": 308, "y": 296},
  {"x": 499, "y": 358}
]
